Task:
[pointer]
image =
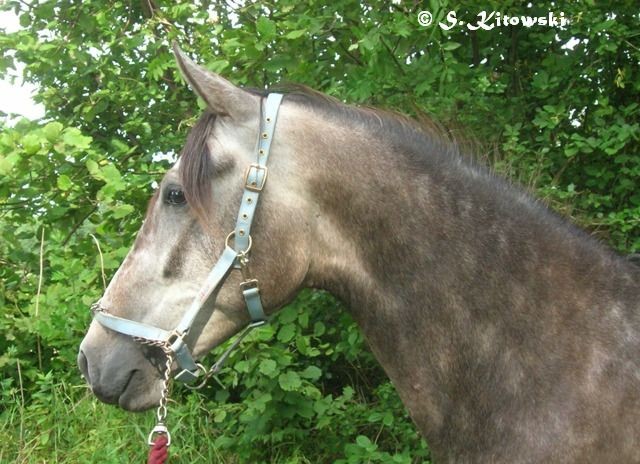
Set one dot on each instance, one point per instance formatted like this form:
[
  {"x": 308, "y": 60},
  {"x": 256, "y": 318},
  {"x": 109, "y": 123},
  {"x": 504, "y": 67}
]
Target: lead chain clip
[{"x": 161, "y": 412}]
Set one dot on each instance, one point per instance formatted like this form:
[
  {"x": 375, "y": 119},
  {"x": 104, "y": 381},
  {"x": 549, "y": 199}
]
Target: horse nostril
[{"x": 83, "y": 365}]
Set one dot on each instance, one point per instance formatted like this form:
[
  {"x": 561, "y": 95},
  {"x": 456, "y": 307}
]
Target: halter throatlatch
[{"x": 233, "y": 257}]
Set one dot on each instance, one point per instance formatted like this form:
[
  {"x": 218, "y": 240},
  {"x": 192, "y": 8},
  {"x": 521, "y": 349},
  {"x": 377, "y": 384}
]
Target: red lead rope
[{"x": 158, "y": 452}]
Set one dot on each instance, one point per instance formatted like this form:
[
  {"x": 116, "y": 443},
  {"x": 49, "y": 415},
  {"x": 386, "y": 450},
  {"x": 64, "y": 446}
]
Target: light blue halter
[{"x": 236, "y": 258}]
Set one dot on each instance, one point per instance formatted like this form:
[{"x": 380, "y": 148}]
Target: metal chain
[{"x": 161, "y": 412}]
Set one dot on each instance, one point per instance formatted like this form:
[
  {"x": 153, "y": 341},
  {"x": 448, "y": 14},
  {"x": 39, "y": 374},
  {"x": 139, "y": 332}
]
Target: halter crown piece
[{"x": 236, "y": 257}]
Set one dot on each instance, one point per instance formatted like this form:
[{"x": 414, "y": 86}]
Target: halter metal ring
[
  {"x": 205, "y": 378},
  {"x": 232, "y": 234}
]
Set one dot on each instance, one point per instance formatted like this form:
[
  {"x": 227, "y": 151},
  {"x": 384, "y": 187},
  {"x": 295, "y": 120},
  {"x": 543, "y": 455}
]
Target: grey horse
[{"x": 511, "y": 335}]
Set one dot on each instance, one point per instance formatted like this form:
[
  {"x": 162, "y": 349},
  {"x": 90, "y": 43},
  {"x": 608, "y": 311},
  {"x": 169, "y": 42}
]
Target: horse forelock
[{"x": 197, "y": 166}]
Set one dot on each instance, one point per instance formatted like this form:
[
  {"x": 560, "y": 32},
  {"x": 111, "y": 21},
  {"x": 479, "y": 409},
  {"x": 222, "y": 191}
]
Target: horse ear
[{"x": 221, "y": 96}]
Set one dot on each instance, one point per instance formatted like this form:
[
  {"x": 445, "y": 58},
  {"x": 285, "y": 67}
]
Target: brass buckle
[{"x": 257, "y": 185}]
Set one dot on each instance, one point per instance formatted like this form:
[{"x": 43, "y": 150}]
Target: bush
[{"x": 552, "y": 108}]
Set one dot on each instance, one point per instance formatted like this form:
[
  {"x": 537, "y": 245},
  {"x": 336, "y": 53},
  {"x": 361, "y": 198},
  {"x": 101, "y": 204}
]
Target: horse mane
[
  {"x": 423, "y": 145},
  {"x": 413, "y": 138}
]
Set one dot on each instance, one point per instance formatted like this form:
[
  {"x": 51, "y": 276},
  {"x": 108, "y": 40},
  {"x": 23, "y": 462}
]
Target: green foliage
[
  {"x": 295, "y": 379},
  {"x": 562, "y": 120}
]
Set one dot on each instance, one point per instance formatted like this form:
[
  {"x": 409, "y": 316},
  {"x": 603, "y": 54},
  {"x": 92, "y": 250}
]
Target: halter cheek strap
[{"x": 236, "y": 257}]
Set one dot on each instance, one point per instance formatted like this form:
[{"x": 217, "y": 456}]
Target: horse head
[{"x": 188, "y": 222}]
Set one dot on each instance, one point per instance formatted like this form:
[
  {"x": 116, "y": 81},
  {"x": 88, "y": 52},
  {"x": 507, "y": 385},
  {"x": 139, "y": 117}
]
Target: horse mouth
[
  {"x": 133, "y": 391},
  {"x": 109, "y": 394},
  {"x": 134, "y": 396}
]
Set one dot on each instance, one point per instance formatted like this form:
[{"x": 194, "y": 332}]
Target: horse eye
[{"x": 174, "y": 196}]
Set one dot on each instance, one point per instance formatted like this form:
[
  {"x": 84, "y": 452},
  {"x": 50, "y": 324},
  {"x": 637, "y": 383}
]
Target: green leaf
[
  {"x": 363, "y": 441},
  {"x": 218, "y": 65},
  {"x": 31, "y": 143},
  {"x": 289, "y": 381},
  {"x": 72, "y": 136},
  {"x": 25, "y": 20},
  {"x": 94, "y": 169},
  {"x": 311, "y": 373},
  {"x": 112, "y": 176},
  {"x": 64, "y": 182},
  {"x": 318, "y": 329},
  {"x": 242, "y": 366},
  {"x": 288, "y": 315},
  {"x": 221, "y": 396},
  {"x": 303, "y": 319},
  {"x": 266, "y": 28},
  {"x": 268, "y": 367},
  {"x": 121, "y": 211},
  {"x": 450, "y": 45},
  {"x": 52, "y": 131},
  {"x": 6, "y": 164},
  {"x": 295, "y": 34},
  {"x": 286, "y": 333}
]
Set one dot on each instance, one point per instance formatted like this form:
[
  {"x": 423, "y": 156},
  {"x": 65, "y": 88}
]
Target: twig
[
  {"x": 40, "y": 275},
  {"x": 15, "y": 203},
  {"x": 77, "y": 226},
  {"x": 630, "y": 44},
  {"x": 153, "y": 9},
  {"x": 104, "y": 279},
  {"x": 351, "y": 55},
  {"x": 38, "y": 349},
  {"x": 21, "y": 402},
  {"x": 393, "y": 56},
  {"x": 25, "y": 4}
]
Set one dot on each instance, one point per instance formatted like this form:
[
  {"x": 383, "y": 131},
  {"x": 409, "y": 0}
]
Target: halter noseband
[{"x": 236, "y": 257}]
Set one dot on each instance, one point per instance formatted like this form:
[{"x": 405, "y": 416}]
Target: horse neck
[{"x": 453, "y": 275}]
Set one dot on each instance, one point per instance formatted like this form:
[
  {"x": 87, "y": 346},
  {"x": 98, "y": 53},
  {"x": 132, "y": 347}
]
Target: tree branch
[
  {"x": 77, "y": 226},
  {"x": 395, "y": 59}
]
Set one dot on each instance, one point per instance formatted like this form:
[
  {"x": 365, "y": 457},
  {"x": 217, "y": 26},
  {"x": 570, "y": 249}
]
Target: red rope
[{"x": 159, "y": 451}]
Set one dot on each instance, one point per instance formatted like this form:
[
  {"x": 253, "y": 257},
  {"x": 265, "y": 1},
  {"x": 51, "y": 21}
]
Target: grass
[
  {"x": 64, "y": 423},
  {"x": 351, "y": 415}
]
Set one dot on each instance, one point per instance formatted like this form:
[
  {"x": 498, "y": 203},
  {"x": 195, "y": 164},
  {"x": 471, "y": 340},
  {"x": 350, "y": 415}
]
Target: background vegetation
[{"x": 555, "y": 108}]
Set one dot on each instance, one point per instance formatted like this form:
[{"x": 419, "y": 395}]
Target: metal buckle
[
  {"x": 159, "y": 429},
  {"x": 251, "y": 283},
  {"x": 174, "y": 337},
  {"x": 254, "y": 186}
]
